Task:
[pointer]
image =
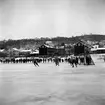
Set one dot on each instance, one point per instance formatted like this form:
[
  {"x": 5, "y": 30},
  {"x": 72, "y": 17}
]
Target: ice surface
[{"x": 25, "y": 84}]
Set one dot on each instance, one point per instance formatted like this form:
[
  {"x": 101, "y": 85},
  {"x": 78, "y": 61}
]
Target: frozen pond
[{"x": 25, "y": 84}]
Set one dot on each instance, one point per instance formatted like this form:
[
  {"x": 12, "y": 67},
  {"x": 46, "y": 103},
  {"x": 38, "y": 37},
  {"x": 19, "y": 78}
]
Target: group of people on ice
[{"x": 72, "y": 60}]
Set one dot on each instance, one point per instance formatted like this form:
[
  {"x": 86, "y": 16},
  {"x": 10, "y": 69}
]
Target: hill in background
[{"x": 35, "y": 43}]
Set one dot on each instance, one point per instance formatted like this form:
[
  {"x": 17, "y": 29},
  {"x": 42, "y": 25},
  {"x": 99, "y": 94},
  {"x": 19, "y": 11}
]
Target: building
[
  {"x": 68, "y": 49},
  {"x": 24, "y": 53},
  {"x": 19, "y": 52},
  {"x": 3, "y": 53},
  {"x": 46, "y": 50},
  {"x": 34, "y": 53},
  {"x": 60, "y": 50},
  {"x": 98, "y": 50},
  {"x": 81, "y": 48},
  {"x": 51, "y": 50}
]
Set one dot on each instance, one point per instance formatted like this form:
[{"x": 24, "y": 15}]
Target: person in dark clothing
[
  {"x": 56, "y": 60},
  {"x": 104, "y": 58},
  {"x": 77, "y": 60},
  {"x": 35, "y": 62},
  {"x": 88, "y": 60},
  {"x": 74, "y": 61}
]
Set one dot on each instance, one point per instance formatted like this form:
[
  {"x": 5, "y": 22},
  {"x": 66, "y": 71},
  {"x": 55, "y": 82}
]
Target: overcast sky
[{"x": 50, "y": 18}]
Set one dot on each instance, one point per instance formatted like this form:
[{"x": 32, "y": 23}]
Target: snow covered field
[{"x": 25, "y": 84}]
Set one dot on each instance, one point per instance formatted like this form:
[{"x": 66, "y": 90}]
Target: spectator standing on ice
[{"x": 104, "y": 58}]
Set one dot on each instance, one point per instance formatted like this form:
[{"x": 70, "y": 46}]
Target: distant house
[
  {"x": 46, "y": 50},
  {"x": 68, "y": 49},
  {"x": 98, "y": 50},
  {"x": 50, "y": 49},
  {"x": 95, "y": 46},
  {"x": 34, "y": 53},
  {"x": 14, "y": 52},
  {"x": 24, "y": 52},
  {"x": 60, "y": 50},
  {"x": 81, "y": 48},
  {"x": 3, "y": 53},
  {"x": 19, "y": 52}
]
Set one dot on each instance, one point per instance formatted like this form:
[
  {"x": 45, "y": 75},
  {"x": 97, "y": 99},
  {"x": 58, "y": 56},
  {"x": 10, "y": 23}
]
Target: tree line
[{"x": 34, "y": 43}]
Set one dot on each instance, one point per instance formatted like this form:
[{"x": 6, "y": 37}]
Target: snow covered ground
[{"x": 25, "y": 84}]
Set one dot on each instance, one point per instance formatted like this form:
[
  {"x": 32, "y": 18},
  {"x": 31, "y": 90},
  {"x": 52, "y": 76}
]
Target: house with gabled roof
[
  {"x": 81, "y": 47},
  {"x": 46, "y": 49}
]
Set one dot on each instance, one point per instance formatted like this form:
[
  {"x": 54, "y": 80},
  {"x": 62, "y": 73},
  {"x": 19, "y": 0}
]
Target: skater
[
  {"x": 56, "y": 60},
  {"x": 74, "y": 61},
  {"x": 35, "y": 62}
]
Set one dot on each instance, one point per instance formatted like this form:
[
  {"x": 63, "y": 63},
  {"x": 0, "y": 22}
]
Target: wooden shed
[
  {"x": 46, "y": 50},
  {"x": 81, "y": 48}
]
